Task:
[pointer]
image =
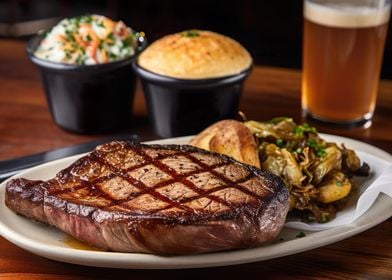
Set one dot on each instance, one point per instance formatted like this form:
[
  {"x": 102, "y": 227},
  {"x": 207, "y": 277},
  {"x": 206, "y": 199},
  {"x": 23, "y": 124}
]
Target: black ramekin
[
  {"x": 87, "y": 99},
  {"x": 180, "y": 107}
]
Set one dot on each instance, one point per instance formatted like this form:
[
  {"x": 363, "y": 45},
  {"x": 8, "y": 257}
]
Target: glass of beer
[{"x": 342, "y": 55}]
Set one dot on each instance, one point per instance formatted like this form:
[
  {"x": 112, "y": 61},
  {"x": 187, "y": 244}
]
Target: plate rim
[{"x": 148, "y": 261}]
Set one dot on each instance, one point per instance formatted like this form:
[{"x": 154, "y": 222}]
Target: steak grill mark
[{"x": 94, "y": 188}]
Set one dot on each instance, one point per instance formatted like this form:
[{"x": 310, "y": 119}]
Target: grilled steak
[{"x": 157, "y": 199}]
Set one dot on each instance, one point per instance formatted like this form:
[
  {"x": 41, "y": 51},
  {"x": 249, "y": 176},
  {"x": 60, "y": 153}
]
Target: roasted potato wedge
[
  {"x": 229, "y": 137},
  {"x": 334, "y": 188}
]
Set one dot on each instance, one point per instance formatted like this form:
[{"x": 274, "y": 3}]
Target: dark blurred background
[{"x": 270, "y": 30}]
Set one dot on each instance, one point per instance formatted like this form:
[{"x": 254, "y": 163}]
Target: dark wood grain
[{"x": 26, "y": 127}]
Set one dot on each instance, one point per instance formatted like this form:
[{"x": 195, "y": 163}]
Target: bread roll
[{"x": 195, "y": 54}]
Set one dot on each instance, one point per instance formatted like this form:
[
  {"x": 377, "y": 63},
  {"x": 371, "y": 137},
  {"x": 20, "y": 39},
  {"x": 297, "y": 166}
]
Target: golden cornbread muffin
[{"x": 195, "y": 54}]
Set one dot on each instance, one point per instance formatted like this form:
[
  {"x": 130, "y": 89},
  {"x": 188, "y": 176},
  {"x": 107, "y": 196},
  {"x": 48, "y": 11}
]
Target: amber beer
[{"x": 342, "y": 56}]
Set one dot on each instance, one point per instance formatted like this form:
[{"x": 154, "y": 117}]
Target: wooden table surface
[{"x": 26, "y": 127}]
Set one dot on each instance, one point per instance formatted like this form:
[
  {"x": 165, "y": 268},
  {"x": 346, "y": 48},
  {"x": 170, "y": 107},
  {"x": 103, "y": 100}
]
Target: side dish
[
  {"x": 231, "y": 138},
  {"x": 88, "y": 39},
  {"x": 195, "y": 54},
  {"x": 192, "y": 79},
  {"x": 317, "y": 173}
]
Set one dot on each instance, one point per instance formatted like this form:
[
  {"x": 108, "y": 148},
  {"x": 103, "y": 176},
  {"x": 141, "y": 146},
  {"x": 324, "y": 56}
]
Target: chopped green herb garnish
[
  {"x": 312, "y": 143},
  {"x": 190, "y": 33},
  {"x": 300, "y": 234},
  {"x": 280, "y": 142},
  {"x": 86, "y": 19},
  {"x": 80, "y": 59},
  {"x": 339, "y": 183},
  {"x": 67, "y": 54},
  {"x": 127, "y": 42},
  {"x": 298, "y": 151},
  {"x": 319, "y": 150},
  {"x": 324, "y": 217},
  {"x": 69, "y": 35},
  {"x": 112, "y": 55},
  {"x": 100, "y": 44},
  {"x": 308, "y": 219},
  {"x": 100, "y": 24},
  {"x": 321, "y": 153},
  {"x": 299, "y": 130},
  {"x": 75, "y": 21}
]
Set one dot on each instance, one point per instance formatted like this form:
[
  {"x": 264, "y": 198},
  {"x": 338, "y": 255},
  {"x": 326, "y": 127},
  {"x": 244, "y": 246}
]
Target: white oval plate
[{"x": 49, "y": 242}]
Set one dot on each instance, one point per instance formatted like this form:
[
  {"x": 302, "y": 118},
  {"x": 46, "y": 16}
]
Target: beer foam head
[{"x": 347, "y": 14}]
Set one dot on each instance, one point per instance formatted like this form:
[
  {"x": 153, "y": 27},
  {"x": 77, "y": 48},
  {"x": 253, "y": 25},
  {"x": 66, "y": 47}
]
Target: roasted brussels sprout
[{"x": 316, "y": 172}]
